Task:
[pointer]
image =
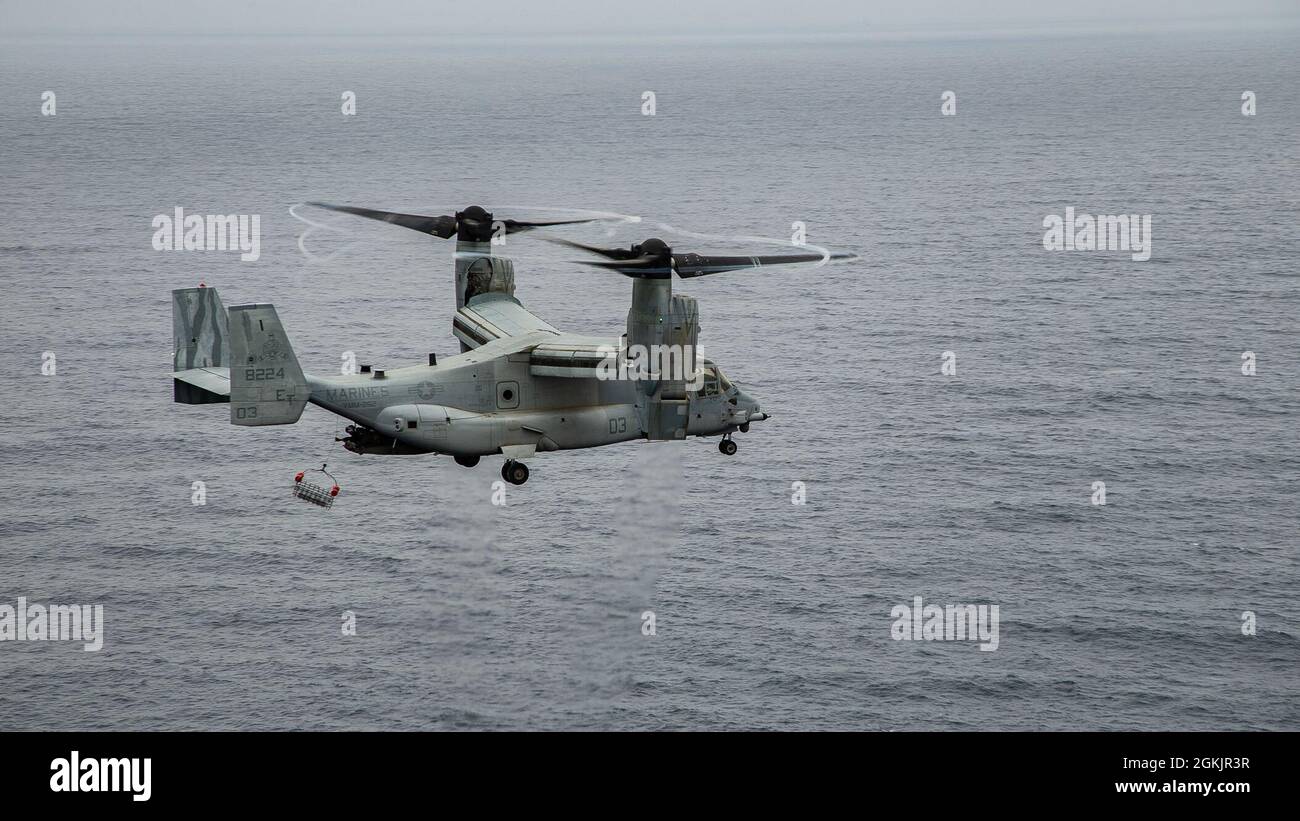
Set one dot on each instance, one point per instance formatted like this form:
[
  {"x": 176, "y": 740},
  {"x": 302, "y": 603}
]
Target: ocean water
[{"x": 1072, "y": 368}]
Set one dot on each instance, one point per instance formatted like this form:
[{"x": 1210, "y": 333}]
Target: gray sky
[{"x": 649, "y": 17}]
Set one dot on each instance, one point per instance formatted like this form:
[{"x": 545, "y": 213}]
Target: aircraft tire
[{"x": 516, "y": 473}]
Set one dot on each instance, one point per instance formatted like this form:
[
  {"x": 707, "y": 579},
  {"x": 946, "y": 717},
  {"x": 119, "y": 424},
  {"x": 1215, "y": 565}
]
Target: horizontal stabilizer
[{"x": 201, "y": 386}]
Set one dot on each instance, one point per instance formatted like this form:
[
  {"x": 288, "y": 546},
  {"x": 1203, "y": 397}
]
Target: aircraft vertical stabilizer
[
  {"x": 200, "y": 347},
  {"x": 267, "y": 387}
]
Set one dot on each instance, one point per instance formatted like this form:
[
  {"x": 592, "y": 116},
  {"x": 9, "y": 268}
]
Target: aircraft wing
[
  {"x": 569, "y": 355},
  {"x": 493, "y": 316},
  {"x": 201, "y": 386}
]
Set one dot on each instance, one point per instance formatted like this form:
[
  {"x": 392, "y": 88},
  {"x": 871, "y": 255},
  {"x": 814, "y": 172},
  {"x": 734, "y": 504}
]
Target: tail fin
[
  {"x": 266, "y": 385},
  {"x": 199, "y": 329},
  {"x": 200, "y": 347}
]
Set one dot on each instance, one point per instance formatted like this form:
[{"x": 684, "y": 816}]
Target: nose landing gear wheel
[
  {"x": 516, "y": 473},
  {"x": 467, "y": 461},
  {"x": 727, "y": 447}
]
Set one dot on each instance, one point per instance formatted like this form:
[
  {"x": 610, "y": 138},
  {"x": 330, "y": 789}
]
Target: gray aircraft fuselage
[{"x": 486, "y": 400}]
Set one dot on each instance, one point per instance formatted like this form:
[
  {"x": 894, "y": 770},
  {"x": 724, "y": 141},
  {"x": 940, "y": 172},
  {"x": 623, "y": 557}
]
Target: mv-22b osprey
[{"x": 518, "y": 386}]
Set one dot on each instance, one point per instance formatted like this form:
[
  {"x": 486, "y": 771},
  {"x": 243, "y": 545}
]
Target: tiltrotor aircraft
[{"x": 518, "y": 386}]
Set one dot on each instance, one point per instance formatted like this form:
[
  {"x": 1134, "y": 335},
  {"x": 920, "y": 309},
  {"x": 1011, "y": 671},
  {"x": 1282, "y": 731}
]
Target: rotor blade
[
  {"x": 641, "y": 268},
  {"x": 608, "y": 253},
  {"x": 515, "y": 226},
  {"x": 695, "y": 265},
  {"x": 444, "y": 227}
]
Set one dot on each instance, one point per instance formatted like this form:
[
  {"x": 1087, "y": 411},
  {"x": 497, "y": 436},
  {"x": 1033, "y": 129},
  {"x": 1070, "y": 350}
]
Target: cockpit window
[
  {"x": 710, "y": 386},
  {"x": 726, "y": 383}
]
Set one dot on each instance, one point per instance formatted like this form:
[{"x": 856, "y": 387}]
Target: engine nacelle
[
  {"x": 660, "y": 320},
  {"x": 478, "y": 272}
]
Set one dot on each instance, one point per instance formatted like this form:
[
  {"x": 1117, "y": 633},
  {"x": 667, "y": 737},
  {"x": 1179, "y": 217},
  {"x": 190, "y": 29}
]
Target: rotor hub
[{"x": 655, "y": 247}]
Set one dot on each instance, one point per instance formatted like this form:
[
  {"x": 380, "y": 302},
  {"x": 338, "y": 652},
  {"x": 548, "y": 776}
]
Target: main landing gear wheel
[
  {"x": 467, "y": 461},
  {"x": 516, "y": 473},
  {"x": 727, "y": 447}
]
